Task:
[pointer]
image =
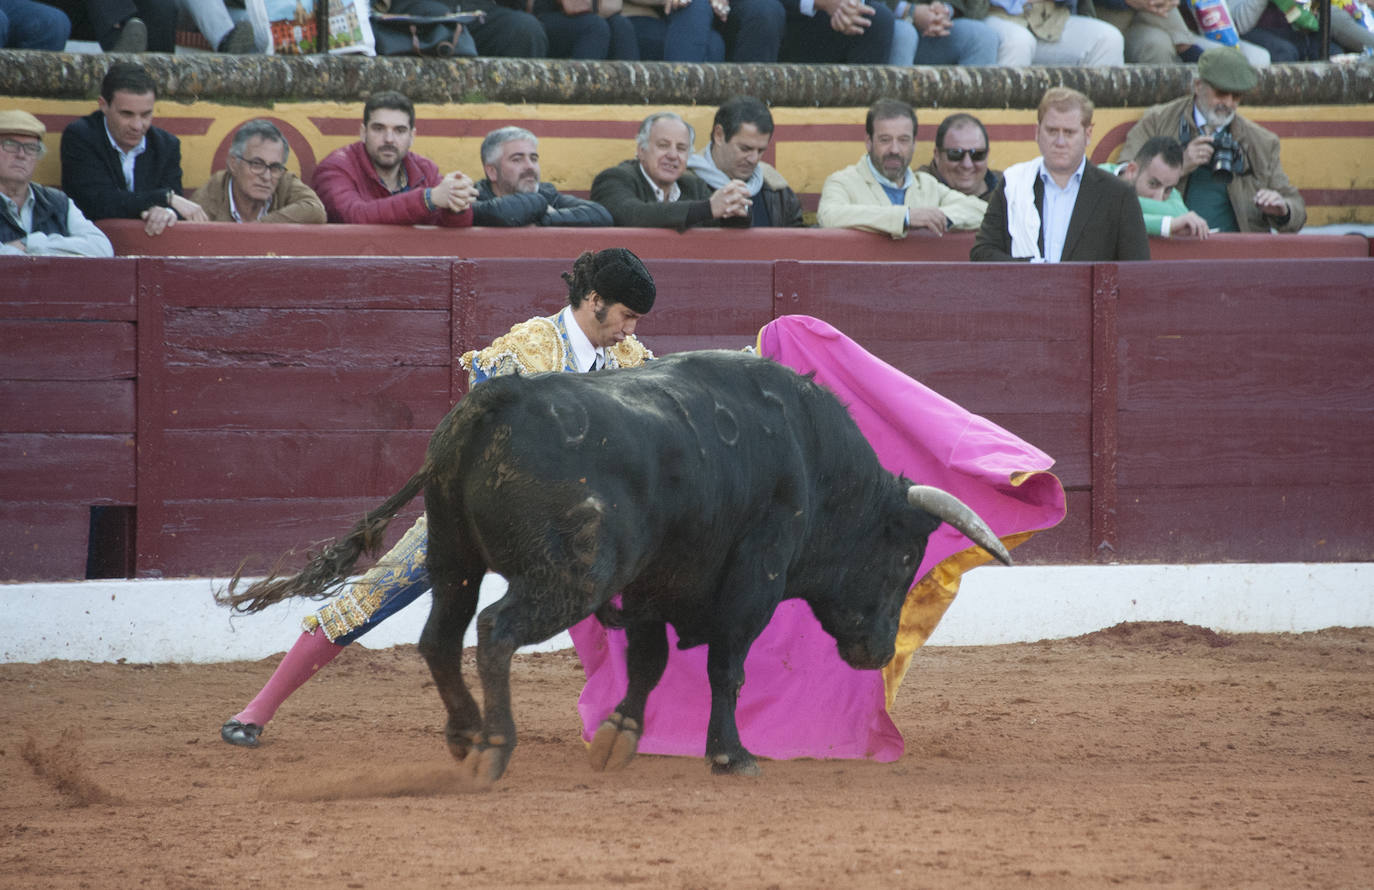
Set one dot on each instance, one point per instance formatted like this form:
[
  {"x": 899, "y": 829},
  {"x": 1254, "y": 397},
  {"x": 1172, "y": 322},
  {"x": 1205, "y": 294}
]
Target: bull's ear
[{"x": 958, "y": 514}]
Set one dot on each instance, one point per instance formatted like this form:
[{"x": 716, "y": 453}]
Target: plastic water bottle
[{"x": 1214, "y": 21}]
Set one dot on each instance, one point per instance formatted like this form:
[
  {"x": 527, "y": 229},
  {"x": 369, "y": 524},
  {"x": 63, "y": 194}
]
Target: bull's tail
[{"x": 331, "y": 566}]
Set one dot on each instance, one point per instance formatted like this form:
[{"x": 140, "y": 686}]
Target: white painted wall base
[{"x": 178, "y": 621}]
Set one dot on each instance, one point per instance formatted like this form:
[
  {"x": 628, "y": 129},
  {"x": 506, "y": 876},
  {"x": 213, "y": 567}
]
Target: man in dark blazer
[
  {"x": 117, "y": 165},
  {"x": 655, "y": 189},
  {"x": 1058, "y": 207}
]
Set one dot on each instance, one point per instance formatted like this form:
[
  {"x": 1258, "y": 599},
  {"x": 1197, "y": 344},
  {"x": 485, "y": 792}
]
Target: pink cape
[{"x": 799, "y": 698}]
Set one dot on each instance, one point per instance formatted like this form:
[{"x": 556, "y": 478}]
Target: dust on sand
[{"x": 1145, "y": 755}]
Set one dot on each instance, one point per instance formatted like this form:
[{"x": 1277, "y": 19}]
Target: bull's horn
[{"x": 958, "y": 514}]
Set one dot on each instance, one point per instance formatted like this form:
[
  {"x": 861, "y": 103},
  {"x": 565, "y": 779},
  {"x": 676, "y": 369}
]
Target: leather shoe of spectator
[
  {"x": 239, "y": 41},
  {"x": 131, "y": 38}
]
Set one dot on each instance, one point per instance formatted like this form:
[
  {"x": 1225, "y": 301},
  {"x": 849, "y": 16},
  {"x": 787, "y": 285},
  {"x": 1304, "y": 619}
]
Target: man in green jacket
[{"x": 1155, "y": 172}]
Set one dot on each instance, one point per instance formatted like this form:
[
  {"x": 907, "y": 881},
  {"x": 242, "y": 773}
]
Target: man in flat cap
[
  {"x": 36, "y": 219},
  {"x": 1231, "y": 172},
  {"x": 608, "y": 292}
]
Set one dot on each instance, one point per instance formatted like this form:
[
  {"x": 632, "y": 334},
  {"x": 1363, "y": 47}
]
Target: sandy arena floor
[{"x": 1145, "y": 755}]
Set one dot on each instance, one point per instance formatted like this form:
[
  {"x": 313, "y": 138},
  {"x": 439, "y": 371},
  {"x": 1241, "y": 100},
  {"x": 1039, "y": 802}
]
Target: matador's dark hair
[{"x": 617, "y": 276}]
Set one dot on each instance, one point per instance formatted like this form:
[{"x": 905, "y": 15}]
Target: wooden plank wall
[
  {"x": 1197, "y": 411},
  {"x": 1246, "y": 411},
  {"x": 67, "y": 402},
  {"x": 282, "y": 400}
]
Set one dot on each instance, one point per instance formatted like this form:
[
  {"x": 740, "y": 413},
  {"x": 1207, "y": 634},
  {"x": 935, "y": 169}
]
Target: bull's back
[{"x": 651, "y": 473}]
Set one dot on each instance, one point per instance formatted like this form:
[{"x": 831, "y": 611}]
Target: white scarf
[
  {"x": 702, "y": 164},
  {"x": 1023, "y": 220}
]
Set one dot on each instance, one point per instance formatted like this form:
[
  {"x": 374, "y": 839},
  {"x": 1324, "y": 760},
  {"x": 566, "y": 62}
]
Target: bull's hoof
[
  {"x": 615, "y": 743},
  {"x": 485, "y": 765},
  {"x": 739, "y": 765},
  {"x": 461, "y": 742}
]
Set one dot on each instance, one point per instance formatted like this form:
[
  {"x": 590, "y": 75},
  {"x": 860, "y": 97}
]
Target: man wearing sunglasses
[
  {"x": 255, "y": 185},
  {"x": 881, "y": 193},
  {"x": 35, "y": 219},
  {"x": 960, "y": 160}
]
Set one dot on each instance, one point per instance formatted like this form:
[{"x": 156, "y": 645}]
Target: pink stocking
[{"x": 312, "y": 651}]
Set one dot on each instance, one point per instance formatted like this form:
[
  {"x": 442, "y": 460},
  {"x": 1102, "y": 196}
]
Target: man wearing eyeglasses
[
  {"x": 961, "y": 157},
  {"x": 255, "y": 185},
  {"x": 881, "y": 193},
  {"x": 35, "y": 219}
]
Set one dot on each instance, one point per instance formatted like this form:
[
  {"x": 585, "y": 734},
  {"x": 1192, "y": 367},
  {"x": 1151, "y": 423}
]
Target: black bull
[{"x": 706, "y": 488}]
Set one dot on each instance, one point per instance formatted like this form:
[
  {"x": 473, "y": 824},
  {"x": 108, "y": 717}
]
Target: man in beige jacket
[
  {"x": 881, "y": 193},
  {"x": 255, "y": 186}
]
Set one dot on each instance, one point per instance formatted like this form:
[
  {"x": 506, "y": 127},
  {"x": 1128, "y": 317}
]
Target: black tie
[{"x": 596, "y": 362}]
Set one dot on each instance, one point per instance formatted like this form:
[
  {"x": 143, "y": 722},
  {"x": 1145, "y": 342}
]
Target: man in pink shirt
[{"x": 379, "y": 180}]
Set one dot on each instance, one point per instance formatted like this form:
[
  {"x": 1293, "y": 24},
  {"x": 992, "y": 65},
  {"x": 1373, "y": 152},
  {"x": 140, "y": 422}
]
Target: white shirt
[
  {"x": 85, "y": 239},
  {"x": 1058, "y": 209},
  {"x": 660, "y": 195},
  {"x": 127, "y": 158},
  {"x": 584, "y": 353},
  {"x": 233, "y": 207}
]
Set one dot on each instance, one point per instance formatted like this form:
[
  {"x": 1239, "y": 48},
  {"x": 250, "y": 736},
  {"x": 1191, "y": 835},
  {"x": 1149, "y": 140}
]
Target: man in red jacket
[{"x": 379, "y": 180}]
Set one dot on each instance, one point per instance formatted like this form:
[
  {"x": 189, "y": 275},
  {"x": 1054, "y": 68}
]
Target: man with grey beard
[
  {"x": 1231, "y": 172},
  {"x": 512, "y": 194}
]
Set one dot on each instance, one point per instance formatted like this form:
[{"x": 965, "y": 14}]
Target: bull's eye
[{"x": 906, "y": 559}]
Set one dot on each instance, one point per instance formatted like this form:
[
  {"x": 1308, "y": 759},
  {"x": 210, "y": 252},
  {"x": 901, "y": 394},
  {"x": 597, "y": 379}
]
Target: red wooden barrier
[
  {"x": 67, "y": 407},
  {"x": 1198, "y": 411},
  {"x": 231, "y": 239},
  {"x": 1246, "y": 410}
]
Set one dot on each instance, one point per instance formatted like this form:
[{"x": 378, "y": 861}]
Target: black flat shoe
[{"x": 245, "y": 735}]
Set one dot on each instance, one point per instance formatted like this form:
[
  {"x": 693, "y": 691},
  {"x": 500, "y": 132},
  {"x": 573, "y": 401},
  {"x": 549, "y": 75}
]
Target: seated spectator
[
  {"x": 1352, "y": 26},
  {"x": 932, "y": 32},
  {"x": 881, "y": 193},
  {"x": 25, "y": 24},
  {"x": 1244, "y": 188},
  {"x": 512, "y": 194},
  {"x": 849, "y": 31},
  {"x": 1156, "y": 33},
  {"x": 707, "y": 30},
  {"x": 675, "y": 30},
  {"x": 219, "y": 28},
  {"x": 124, "y": 26},
  {"x": 117, "y": 165},
  {"x": 1058, "y": 207},
  {"x": 655, "y": 190},
  {"x": 740, "y": 134},
  {"x": 506, "y": 29},
  {"x": 960, "y": 159},
  {"x": 255, "y": 185},
  {"x": 1262, "y": 22},
  {"x": 380, "y": 180},
  {"x": 1154, "y": 173},
  {"x": 1050, "y": 32},
  {"x": 35, "y": 219},
  {"x": 753, "y": 29},
  {"x": 587, "y": 29}
]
